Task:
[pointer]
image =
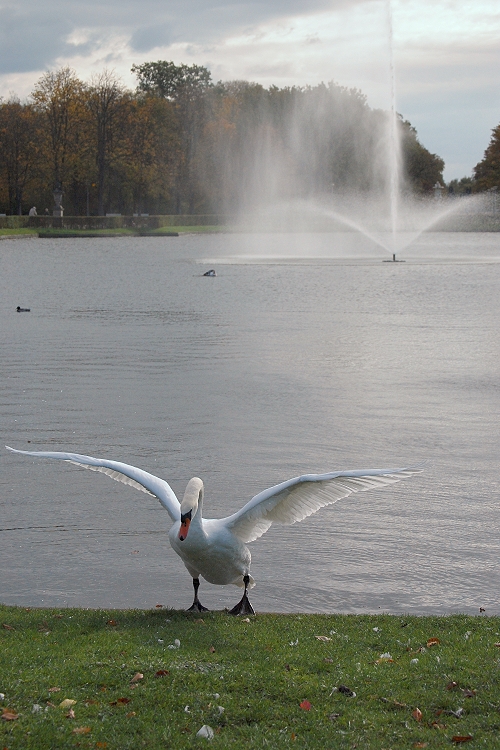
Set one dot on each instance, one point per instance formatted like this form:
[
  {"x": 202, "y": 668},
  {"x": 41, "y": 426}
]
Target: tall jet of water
[{"x": 394, "y": 155}]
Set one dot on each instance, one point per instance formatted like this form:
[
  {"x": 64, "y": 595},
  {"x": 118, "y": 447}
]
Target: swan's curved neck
[{"x": 192, "y": 502}]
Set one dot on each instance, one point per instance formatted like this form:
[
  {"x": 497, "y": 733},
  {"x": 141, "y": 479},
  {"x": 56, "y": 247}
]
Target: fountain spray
[{"x": 394, "y": 140}]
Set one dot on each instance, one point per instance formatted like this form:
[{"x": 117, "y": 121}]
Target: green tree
[
  {"x": 20, "y": 135},
  {"x": 107, "y": 102},
  {"x": 464, "y": 186},
  {"x": 185, "y": 86},
  {"x": 58, "y": 95},
  {"x": 422, "y": 168},
  {"x": 487, "y": 172}
]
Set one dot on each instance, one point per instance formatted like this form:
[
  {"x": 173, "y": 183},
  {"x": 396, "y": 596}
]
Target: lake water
[{"x": 305, "y": 354}]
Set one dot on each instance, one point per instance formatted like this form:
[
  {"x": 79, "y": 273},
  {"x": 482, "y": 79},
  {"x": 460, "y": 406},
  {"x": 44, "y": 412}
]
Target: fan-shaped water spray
[{"x": 320, "y": 157}]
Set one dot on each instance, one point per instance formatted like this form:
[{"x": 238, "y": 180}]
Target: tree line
[{"x": 181, "y": 143}]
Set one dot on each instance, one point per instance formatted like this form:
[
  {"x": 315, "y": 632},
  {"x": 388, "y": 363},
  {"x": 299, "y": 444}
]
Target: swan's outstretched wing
[
  {"x": 300, "y": 497},
  {"x": 130, "y": 475}
]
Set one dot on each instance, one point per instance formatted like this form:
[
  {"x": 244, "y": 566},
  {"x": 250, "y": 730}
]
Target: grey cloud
[
  {"x": 33, "y": 34},
  {"x": 30, "y": 41},
  {"x": 148, "y": 37}
]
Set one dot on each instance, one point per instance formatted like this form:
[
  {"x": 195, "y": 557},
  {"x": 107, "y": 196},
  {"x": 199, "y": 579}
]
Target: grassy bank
[
  {"x": 119, "y": 232},
  {"x": 155, "y": 678},
  {"x": 8, "y": 233}
]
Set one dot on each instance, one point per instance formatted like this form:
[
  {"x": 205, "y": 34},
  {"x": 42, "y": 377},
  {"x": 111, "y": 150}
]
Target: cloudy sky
[{"x": 446, "y": 52}]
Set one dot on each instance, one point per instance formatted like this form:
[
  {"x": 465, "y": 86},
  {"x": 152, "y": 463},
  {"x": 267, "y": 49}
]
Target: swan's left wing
[
  {"x": 124, "y": 473},
  {"x": 300, "y": 497}
]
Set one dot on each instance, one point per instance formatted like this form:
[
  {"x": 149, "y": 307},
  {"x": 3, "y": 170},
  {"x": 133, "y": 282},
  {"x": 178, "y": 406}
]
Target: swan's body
[{"x": 216, "y": 548}]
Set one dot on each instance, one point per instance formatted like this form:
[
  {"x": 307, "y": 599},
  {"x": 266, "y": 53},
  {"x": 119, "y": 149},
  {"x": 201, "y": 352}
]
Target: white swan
[{"x": 216, "y": 548}]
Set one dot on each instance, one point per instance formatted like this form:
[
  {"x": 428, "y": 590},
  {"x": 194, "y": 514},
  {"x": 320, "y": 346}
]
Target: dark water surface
[{"x": 305, "y": 354}]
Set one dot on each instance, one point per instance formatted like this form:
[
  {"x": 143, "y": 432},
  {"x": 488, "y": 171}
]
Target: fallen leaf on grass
[
  {"x": 469, "y": 693},
  {"x": 497, "y": 645},
  {"x": 462, "y": 738},
  {"x": 7, "y": 627},
  {"x": 437, "y": 725},
  {"x": 70, "y": 714},
  {"x": 9, "y": 715},
  {"x": 138, "y": 676},
  {"x": 54, "y": 690},
  {"x": 305, "y": 705},
  {"x": 323, "y": 638},
  {"x": 121, "y": 701},
  {"x": 162, "y": 673},
  {"x": 200, "y": 621},
  {"x": 101, "y": 744},
  {"x": 130, "y": 714},
  {"x": 417, "y": 714},
  {"x": 433, "y": 642},
  {"x": 452, "y": 685},
  {"x": 67, "y": 703},
  {"x": 82, "y": 730},
  {"x": 421, "y": 744},
  {"x": 212, "y": 650},
  {"x": 113, "y": 623}
]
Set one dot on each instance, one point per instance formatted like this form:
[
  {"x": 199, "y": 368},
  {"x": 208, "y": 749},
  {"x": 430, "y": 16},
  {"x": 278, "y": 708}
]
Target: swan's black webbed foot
[
  {"x": 243, "y": 607},
  {"x": 196, "y": 606}
]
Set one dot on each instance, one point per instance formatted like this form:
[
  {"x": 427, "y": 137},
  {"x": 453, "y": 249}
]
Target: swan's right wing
[
  {"x": 124, "y": 473},
  {"x": 297, "y": 498}
]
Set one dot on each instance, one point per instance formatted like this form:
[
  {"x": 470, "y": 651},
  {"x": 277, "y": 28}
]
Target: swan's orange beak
[{"x": 183, "y": 531}]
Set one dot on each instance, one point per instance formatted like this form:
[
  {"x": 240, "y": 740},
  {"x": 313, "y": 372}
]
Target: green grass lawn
[
  {"x": 155, "y": 678},
  {"x": 18, "y": 232},
  {"x": 119, "y": 232}
]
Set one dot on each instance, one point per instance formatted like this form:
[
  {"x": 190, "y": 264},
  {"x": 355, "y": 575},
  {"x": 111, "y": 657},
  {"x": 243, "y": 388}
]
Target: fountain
[{"x": 385, "y": 210}]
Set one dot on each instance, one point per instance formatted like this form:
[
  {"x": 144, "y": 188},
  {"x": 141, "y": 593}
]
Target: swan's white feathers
[
  {"x": 302, "y": 496},
  {"x": 117, "y": 475},
  {"x": 121, "y": 472}
]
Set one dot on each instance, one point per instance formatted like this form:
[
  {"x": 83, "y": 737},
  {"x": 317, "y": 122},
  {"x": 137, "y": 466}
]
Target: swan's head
[{"x": 189, "y": 506}]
